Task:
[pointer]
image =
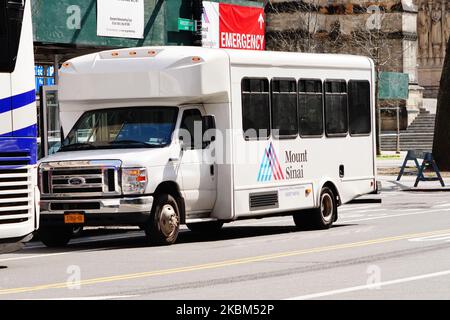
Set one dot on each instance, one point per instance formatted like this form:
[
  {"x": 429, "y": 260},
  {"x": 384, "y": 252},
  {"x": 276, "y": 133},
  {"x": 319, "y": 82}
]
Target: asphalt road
[{"x": 397, "y": 249}]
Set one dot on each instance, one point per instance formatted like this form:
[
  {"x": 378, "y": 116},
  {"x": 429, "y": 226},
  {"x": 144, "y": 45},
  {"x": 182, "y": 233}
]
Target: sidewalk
[
  {"x": 391, "y": 162},
  {"x": 406, "y": 183}
]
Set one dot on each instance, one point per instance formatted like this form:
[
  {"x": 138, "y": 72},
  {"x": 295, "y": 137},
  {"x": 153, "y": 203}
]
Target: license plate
[{"x": 74, "y": 218}]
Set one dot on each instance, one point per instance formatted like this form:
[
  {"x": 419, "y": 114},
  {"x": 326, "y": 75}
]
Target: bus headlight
[{"x": 134, "y": 180}]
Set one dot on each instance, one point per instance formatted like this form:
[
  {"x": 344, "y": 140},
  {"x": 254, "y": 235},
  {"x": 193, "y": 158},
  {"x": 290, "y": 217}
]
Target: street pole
[{"x": 397, "y": 149}]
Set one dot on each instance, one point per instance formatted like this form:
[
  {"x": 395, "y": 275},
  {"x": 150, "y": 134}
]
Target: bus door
[
  {"x": 197, "y": 169},
  {"x": 50, "y": 126}
]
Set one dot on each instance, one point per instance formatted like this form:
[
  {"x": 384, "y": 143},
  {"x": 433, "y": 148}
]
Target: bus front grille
[
  {"x": 16, "y": 195},
  {"x": 12, "y": 159},
  {"x": 82, "y": 181}
]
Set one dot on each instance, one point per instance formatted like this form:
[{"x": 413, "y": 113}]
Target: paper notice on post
[{"x": 120, "y": 18}]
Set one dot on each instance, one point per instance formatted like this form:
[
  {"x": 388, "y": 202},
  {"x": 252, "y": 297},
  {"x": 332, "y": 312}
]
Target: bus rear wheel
[
  {"x": 164, "y": 223},
  {"x": 318, "y": 218},
  {"x": 205, "y": 227},
  {"x": 55, "y": 237}
]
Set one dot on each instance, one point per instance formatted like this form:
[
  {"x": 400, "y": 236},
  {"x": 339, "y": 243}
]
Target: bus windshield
[{"x": 138, "y": 127}]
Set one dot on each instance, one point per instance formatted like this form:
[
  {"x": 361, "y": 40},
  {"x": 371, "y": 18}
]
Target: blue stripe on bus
[
  {"x": 17, "y": 101},
  {"x": 29, "y": 145},
  {"x": 30, "y": 131}
]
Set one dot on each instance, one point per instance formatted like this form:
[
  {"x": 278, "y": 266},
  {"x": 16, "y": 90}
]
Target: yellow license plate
[{"x": 74, "y": 218}]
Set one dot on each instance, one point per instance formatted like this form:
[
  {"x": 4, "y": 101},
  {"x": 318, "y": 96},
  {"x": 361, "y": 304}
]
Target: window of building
[
  {"x": 44, "y": 76},
  {"x": 310, "y": 107},
  {"x": 336, "y": 119},
  {"x": 255, "y": 108},
  {"x": 359, "y": 107},
  {"x": 284, "y": 108}
]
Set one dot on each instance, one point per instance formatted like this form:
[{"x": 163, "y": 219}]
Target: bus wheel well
[
  {"x": 172, "y": 188},
  {"x": 333, "y": 188}
]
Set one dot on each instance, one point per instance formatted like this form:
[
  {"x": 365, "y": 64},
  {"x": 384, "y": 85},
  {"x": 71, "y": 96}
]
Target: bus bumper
[{"x": 98, "y": 212}]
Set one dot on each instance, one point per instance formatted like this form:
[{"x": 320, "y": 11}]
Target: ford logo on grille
[{"x": 77, "y": 181}]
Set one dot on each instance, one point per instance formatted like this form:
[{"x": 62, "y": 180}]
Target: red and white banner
[{"x": 232, "y": 26}]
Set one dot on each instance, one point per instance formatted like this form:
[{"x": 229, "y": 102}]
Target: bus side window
[
  {"x": 359, "y": 107},
  {"x": 255, "y": 108},
  {"x": 336, "y": 119},
  {"x": 310, "y": 107},
  {"x": 284, "y": 108},
  {"x": 188, "y": 123}
]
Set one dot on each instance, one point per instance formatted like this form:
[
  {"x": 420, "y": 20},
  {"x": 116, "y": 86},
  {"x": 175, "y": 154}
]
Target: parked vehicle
[
  {"x": 163, "y": 136},
  {"x": 19, "y": 195}
]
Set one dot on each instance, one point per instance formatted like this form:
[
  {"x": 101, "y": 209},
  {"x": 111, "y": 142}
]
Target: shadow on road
[{"x": 125, "y": 239}]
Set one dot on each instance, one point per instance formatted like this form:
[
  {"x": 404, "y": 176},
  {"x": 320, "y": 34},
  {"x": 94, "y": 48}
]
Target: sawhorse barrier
[{"x": 427, "y": 162}]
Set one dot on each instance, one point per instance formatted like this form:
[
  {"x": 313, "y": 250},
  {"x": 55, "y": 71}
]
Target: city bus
[
  {"x": 19, "y": 195},
  {"x": 157, "y": 137}
]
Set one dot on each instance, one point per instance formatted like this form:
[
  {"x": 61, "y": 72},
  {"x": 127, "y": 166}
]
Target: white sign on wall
[
  {"x": 120, "y": 18},
  {"x": 210, "y": 24}
]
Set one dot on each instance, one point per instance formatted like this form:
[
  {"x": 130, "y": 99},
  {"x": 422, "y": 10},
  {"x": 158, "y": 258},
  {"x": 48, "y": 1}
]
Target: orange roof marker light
[
  {"x": 152, "y": 53},
  {"x": 132, "y": 53},
  {"x": 66, "y": 64},
  {"x": 196, "y": 59},
  {"x": 114, "y": 54}
]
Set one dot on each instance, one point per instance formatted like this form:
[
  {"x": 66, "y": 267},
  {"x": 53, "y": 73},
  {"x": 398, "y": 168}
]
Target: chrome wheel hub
[
  {"x": 326, "y": 207},
  {"x": 168, "y": 220}
]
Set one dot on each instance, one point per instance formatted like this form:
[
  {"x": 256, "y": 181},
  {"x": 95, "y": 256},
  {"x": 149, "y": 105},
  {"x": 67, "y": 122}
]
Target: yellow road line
[{"x": 221, "y": 264}]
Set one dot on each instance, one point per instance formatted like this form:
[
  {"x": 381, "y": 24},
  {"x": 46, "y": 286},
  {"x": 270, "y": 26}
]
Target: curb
[{"x": 443, "y": 189}]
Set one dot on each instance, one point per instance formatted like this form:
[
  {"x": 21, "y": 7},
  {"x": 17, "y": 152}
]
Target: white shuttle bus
[
  {"x": 161, "y": 136},
  {"x": 19, "y": 195}
]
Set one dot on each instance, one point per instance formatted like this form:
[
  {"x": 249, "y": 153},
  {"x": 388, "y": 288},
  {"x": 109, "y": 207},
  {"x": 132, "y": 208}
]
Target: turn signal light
[{"x": 307, "y": 191}]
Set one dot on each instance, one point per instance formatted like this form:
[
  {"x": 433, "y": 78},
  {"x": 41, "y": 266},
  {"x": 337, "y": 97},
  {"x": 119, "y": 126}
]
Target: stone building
[{"x": 433, "y": 29}]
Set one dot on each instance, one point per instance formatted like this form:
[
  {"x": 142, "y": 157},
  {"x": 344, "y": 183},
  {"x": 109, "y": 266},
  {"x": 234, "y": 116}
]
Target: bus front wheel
[
  {"x": 55, "y": 237},
  {"x": 321, "y": 217},
  {"x": 164, "y": 223}
]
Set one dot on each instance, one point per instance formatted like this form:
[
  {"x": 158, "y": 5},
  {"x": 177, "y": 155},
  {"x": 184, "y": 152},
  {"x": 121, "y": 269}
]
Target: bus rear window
[
  {"x": 336, "y": 121},
  {"x": 284, "y": 108},
  {"x": 310, "y": 107},
  {"x": 255, "y": 108},
  {"x": 359, "y": 107}
]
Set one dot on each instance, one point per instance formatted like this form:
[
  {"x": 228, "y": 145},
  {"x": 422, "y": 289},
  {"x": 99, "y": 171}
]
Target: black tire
[
  {"x": 205, "y": 227},
  {"x": 164, "y": 223},
  {"x": 55, "y": 237},
  {"x": 318, "y": 218}
]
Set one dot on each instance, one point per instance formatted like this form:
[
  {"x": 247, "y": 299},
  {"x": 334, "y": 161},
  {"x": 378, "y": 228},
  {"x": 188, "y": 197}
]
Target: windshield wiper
[
  {"x": 141, "y": 143},
  {"x": 78, "y": 145}
]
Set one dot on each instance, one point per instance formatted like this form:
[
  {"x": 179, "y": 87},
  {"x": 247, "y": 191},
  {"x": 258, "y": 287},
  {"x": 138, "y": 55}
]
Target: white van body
[{"x": 208, "y": 188}]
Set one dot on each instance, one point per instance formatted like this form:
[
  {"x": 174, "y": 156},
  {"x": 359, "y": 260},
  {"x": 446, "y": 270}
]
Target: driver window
[{"x": 191, "y": 121}]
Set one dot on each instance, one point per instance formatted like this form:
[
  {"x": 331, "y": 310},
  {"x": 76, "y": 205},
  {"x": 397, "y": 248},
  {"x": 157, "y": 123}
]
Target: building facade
[{"x": 433, "y": 30}]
